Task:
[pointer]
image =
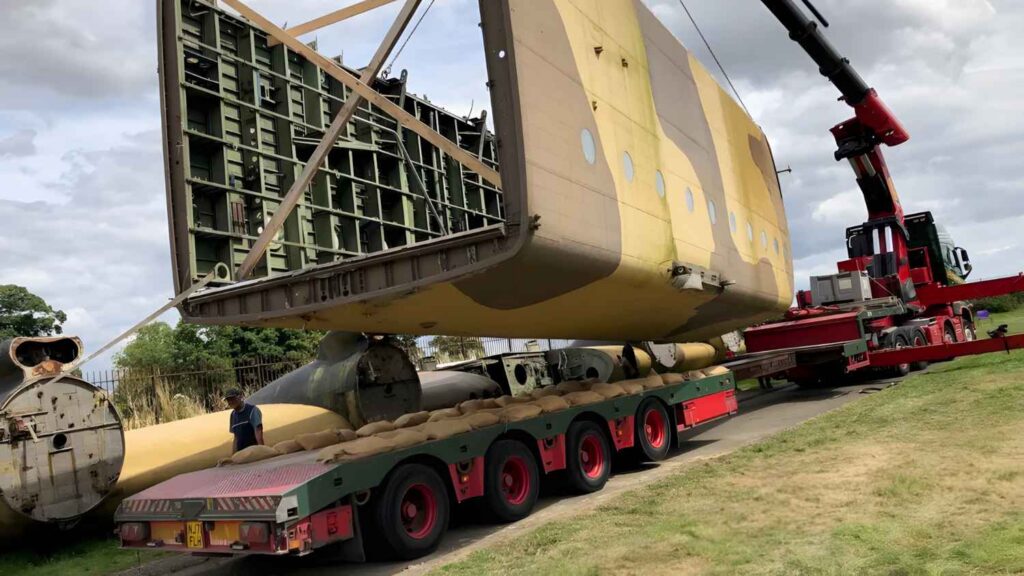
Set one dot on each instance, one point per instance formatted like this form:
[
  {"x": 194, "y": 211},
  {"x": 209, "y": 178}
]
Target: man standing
[{"x": 246, "y": 420}]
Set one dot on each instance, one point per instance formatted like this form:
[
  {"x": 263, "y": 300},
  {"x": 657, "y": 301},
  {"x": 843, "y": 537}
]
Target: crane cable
[
  {"x": 387, "y": 71},
  {"x": 720, "y": 67}
]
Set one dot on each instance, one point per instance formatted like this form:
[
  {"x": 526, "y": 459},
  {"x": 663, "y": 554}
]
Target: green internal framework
[{"x": 247, "y": 116}]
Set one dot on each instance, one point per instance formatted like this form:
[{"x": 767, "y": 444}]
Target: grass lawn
[
  {"x": 923, "y": 478},
  {"x": 85, "y": 557}
]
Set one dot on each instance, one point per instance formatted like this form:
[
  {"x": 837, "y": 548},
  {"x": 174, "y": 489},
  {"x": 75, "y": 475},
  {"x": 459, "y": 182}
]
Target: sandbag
[
  {"x": 444, "y": 414},
  {"x": 412, "y": 419},
  {"x": 315, "y": 440},
  {"x": 288, "y": 447},
  {"x": 253, "y": 454},
  {"x": 440, "y": 429},
  {"x": 375, "y": 428},
  {"x": 652, "y": 381},
  {"x": 510, "y": 400},
  {"x": 480, "y": 419},
  {"x": 545, "y": 391},
  {"x": 518, "y": 412},
  {"x": 715, "y": 371},
  {"x": 358, "y": 448},
  {"x": 404, "y": 437},
  {"x": 609, "y": 391},
  {"x": 632, "y": 386},
  {"x": 551, "y": 403},
  {"x": 582, "y": 397},
  {"x": 672, "y": 378},
  {"x": 476, "y": 404},
  {"x": 570, "y": 386}
]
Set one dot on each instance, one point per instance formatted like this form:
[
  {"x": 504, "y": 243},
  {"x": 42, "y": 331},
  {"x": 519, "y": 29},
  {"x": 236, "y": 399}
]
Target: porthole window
[
  {"x": 627, "y": 166},
  {"x": 764, "y": 239},
  {"x": 589, "y": 148},
  {"x": 732, "y": 222},
  {"x": 659, "y": 183},
  {"x": 750, "y": 232},
  {"x": 689, "y": 200},
  {"x": 712, "y": 212},
  {"x": 775, "y": 241}
]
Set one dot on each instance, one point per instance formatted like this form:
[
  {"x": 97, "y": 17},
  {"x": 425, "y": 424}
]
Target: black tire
[
  {"x": 511, "y": 481},
  {"x": 653, "y": 430},
  {"x": 918, "y": 341},
  {"x": 411, "y": 511},
  {"x": 900, "y": 341},
  {"x": 950, "y": 334},
  {"x": 588, "y": 457}
]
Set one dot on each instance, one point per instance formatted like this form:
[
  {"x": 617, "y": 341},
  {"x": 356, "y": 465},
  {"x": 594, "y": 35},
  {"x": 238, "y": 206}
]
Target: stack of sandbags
[{"x": 419, "y": 427}]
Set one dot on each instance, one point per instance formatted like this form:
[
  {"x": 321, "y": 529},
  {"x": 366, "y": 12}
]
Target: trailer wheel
[
  {"x": 588, "y": 457},
  {"x": 653, "y": 430},
  {"x": 900, "y": 341},
  {"x": 411, "y": 512},
  {"x": 950, "y": 334},
  {"x": 511, "y": 481},
  {"x": 918, "y": 341}
]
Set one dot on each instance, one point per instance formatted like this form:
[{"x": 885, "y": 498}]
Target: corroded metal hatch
[{"x": 61, "y": 443}]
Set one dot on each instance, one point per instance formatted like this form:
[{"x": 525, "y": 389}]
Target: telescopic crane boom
[{"x": 858, "y": 141}]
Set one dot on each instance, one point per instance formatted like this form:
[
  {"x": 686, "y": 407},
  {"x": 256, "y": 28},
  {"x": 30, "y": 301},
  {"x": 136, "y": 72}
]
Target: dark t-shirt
[{"x": 244, "y": 423}]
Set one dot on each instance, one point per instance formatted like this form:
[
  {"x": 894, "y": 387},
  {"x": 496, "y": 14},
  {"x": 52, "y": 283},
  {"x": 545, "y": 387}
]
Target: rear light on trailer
[
  {"x": 134, "y": 531},
  {"x": 254, "y": 533}
]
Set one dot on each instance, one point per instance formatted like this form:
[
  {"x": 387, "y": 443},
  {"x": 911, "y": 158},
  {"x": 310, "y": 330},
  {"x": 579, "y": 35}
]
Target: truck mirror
[{"x": 963, "y": 255}]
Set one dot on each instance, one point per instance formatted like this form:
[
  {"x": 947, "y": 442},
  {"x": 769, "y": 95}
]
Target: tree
[
  {"x": 457, "y": 347},
  {"x": 410, "y": 344},
  {"x": 22, "y": 313}
]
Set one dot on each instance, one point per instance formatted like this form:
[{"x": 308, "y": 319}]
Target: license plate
[{"x": 194, "y": 534}]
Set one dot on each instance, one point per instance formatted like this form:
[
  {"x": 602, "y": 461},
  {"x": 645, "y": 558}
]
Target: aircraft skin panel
[{"x": 597, "y": 238}]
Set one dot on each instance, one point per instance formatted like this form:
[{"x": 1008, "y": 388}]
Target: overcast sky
[{"x": 82, "y": 204}]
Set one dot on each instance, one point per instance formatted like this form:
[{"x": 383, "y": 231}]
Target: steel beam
[
  {"x": 333, "y": 18},
  {"x": 930, "y": 294},
  {"x": 946, "y": 351}
]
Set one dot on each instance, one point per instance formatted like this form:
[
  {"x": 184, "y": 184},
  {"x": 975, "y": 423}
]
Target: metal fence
[
  {"x": 473, "y": 348},
  {"x": 205, "y": 381}
]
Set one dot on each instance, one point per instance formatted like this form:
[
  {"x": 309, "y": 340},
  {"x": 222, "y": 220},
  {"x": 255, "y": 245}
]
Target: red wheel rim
[
  {"x": 515, "y": 480},
  {"x": 591, "y": 456},
  {"x": 654, "y": 428},
  {"x": 418, "y": 510}
]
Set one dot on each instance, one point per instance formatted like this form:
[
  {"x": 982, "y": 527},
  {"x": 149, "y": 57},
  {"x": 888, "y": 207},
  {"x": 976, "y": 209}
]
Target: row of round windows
[{"x": 590, "y": 154}]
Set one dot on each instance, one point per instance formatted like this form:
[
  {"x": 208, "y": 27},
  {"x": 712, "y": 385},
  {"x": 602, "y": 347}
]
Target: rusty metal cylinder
[
  {"x": 680, "y": 357},
  {"x": 61, "y": 442}
]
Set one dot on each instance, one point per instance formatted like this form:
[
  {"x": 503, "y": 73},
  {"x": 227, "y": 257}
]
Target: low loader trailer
[{"x": 399, "y": 502}]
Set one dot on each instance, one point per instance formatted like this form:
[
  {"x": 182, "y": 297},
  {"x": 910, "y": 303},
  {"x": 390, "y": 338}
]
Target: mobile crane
[{"x": 900, "y": 300}]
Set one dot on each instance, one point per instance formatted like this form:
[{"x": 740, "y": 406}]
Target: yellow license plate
[{"x": 194, "y": 534}]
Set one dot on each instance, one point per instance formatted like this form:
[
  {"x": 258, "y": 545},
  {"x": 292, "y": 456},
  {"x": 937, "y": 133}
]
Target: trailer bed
[{"x": 306, "y": 504}]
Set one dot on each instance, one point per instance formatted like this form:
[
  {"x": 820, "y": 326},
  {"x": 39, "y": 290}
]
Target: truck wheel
[
  {"x": 511, "y": 481},
  {"x": 969, "y": 333},
  {"x": 919, "y": 340},
  {"x": 588, "y": 457},
  {"x": 411, "y": 512},
  {"x": 950, "y": 334},
  {"x": 900, "y": 341},
  {"x": 653, "y": 432}
]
